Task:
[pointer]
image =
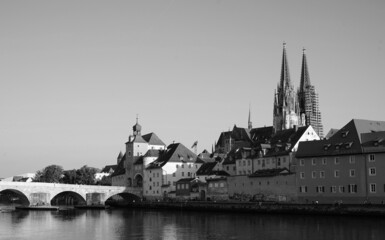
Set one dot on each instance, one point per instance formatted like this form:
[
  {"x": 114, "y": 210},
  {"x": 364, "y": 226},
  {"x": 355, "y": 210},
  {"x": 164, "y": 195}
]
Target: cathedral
[{"x": 296, "y": 108}]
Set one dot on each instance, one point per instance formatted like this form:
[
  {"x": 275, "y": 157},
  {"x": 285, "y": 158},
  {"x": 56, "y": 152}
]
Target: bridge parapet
[{"x": 43, "y": 193}]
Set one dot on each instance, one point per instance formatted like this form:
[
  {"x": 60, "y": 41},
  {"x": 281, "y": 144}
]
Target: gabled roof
[
  {"x": 152, "y": 153},
  {"x": 261, "y": 135},
  {"x": 282, "y": 142},
  {"x": 185, "y": 180},
  {"x": 233, "y": 155},
  {"x": 206, "y": 168},
  {"x": 331, "y": 132},
  {"x": 347, "y": 140},
  {"x": 120, "y": 170},
  {"x": 153, "y": 139},
  {"x": 175, "y": 152},
  {"x": 373, "y": 142},
  {"x": 108, "y": 168}
]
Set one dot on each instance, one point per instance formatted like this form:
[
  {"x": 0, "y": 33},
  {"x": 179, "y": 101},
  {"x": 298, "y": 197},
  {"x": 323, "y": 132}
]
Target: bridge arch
[
  {"x": 122, "y": 198},
  {"x": 68, "y": 198},
  {"x": 15, "y": 196}
]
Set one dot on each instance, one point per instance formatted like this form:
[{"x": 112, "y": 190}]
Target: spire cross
[{"x": 137, "y": 117}]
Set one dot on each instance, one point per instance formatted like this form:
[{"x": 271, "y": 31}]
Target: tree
[
  {"x": 69, "y": 177},
  {"x": 50, "y": 174},
  {"x": 86, "y": 175},
  {"x": 105, "y": 181}
]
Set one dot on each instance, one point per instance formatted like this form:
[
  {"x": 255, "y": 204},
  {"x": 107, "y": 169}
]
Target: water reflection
[{"x": 148, "y": 224}]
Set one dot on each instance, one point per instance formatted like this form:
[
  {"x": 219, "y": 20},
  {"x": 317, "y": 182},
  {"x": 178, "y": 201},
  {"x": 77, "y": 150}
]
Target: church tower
[
  {"x": 286, "y": 110},
  {"x": 308, "y": 101}
]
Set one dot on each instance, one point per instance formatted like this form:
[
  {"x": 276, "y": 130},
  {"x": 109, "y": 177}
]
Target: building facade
[{"x": 348, "y": 167}]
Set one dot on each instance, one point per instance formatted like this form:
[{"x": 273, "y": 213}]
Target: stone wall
[{"x": 281, "y": 188}]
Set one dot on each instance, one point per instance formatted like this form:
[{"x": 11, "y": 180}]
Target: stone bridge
[{"x": 35, "y": 193}]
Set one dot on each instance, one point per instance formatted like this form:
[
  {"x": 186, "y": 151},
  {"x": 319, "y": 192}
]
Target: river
[{"x": 152, "y": 224}]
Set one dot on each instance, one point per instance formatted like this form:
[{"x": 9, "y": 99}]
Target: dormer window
[
  {"x": 348, "y": 145},
  {"x": 327, "y": 146},
  {"x": 338, "y": 145},
  {"x": 344, "y": 134}
]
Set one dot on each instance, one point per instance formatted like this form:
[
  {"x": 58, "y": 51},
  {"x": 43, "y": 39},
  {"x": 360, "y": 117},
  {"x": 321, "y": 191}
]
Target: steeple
[
  {"x": 137, "y": 128},
  {"x": 285, "y": 76},
  {"x": 285, "y": 114},
  {"x": 305, "y": 78},
  {"x": 250, "y": 124}
]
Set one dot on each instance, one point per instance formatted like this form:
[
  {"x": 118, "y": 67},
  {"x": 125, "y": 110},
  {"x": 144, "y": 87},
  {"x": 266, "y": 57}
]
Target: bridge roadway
[{"x": 35, "y": 193}]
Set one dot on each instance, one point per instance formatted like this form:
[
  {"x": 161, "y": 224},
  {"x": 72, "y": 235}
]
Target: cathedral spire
[
  {"x": 250, "y": 124},
  {"x": 305, "y": 78},
  {"x": 285, "y": 76}
]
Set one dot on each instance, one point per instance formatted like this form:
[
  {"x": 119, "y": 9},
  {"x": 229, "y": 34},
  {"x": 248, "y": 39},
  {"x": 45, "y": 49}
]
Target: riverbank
[{"x": 268, "y": 208}]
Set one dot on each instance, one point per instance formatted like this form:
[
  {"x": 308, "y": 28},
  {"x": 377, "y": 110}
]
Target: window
[
  {"x": 302, "y": 175},
  {"x": 216, "y": 185},
  {"x": 324, "y": 161},
  {"x": 313, "y": 161},
  {"x": 336, "y": 160},
  {"x": 313, "y": 174},
  {"x": 352, "y": 172},
  {"x": 227, "y": 168},
  {"x": 210, "y": 184},
  {"x": 259, "y": 162},
  {"x": 129, "y": 154},
  {"x": 372, "y": 171},
  {"x": 333, "y": 189},
  {"x": 173, "y": 174},
  {"x": 352, "y": 159},
  {"x": 302, "y": 162},
  {"x": 322, "y": 174},
  {"x": 352, "y": 188},
  {"x": 244, "y": 163},
  {"x": 221, "y": 185},
  {"x": 303, "y": 189},
  {"x": 279, "y": 162},
  {"x": 371, "y": 158},
  {"x": 284, "y": 160},
  {"x": 177, "y": 166},
  {"x": 372, "y": 188},
  {"x": 320, "y": 189},
  {"x": 341, "y": 189},
  {"x": 182, "y": 174},
  {"x": 188, "y": 174},
  {"x": 248, "y": 163},
  {"x": 182, "y": 165},
  {"x": 336, "y": 173}
]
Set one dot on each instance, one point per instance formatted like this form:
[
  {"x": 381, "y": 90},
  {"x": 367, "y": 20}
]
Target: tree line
[{"x": 84, "y": 175}]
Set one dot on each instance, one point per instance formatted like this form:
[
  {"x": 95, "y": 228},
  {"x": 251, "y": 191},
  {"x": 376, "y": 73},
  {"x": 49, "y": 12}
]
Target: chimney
[{"x": 296, "y": 128}]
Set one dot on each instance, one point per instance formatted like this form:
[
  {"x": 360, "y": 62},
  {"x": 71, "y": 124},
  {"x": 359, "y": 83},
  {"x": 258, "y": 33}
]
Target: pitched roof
[
  {"x": 152, "y": 153},
  {"x": 283, "y": 141},
  {"x": 185, "y": 180},
  {"x": 373, "y": 142},
  {"x": 347, "y": 140},
  {"x": 153, "y": 139},
  {"x": 120, "y": 170},
  {"x": 270, "y": 172},
  {"x": 107, "y": 168},
  {"x": 175, "y": 152},
  {"x": 206, "y": 168},
  {"x": 261, "y": 135}
]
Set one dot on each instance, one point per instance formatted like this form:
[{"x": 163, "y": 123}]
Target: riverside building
[{"x": 347, "y": 167}]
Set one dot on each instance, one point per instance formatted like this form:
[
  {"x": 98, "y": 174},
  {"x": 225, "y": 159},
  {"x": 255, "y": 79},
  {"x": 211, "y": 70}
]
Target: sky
[{"x": 74, "y": 75}]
